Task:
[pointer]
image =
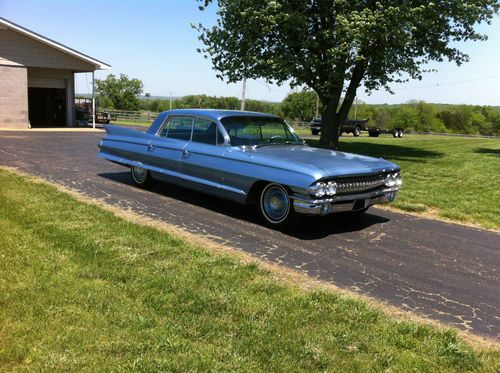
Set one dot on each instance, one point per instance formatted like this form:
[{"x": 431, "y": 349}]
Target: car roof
[{"x": 217, "y": 114}]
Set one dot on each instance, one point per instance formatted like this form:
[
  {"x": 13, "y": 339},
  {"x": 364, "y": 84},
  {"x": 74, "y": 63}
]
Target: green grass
[
  {"x": 81, "y": 289},
  {"x": 457, "y": 178},
  {"x": 302, "y": 131},
  {"x": 123, "y": 122}
]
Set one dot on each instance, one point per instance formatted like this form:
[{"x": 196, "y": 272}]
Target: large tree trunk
[
  {"x": 329, "y": 123},
  {"x": 329, "y": 126},
  {"x": 331, "y": 119}
]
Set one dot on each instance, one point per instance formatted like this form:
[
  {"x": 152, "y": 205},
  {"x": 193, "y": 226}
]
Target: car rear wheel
[
  {"x": 357, "y": 132},
  {"x": 275, "y": 207},
  {"x": 141, "y": 177},
  {"x": 315, "y": 132}
]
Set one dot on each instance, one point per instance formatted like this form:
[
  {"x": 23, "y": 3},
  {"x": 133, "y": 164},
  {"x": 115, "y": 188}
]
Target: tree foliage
[
  {"x": 210, "y": 102},
  {"x": 300, "y": 106},
  {"x": 332, "y": 46},
  {"x": 119, "y": 93},
  {"x": 420, "y": 116}
]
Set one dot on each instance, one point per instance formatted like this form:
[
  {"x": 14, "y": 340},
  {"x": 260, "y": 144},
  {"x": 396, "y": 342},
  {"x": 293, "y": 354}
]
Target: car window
[
  {"x": 205, "y": 131},
  {"x": 177, "y": 128},
  {"x": 258, "y": 130}
]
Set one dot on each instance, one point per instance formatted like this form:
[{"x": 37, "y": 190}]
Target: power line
[
  {"x": 269, "y": 87},
  {"x": 437, "y": 85}
]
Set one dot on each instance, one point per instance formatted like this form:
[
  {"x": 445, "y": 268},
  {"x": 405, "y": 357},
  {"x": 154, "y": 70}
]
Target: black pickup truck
[
  {"x": 356, "y": 126},
  {"x": 349, "y": 126}
]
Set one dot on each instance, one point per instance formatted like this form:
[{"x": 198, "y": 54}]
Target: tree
[
  {"x": 300, "y": 105},
  {"x": 332, "y": 46},
  {"x": 405, "y": 117},
  {"x": 119, "y": 93}
]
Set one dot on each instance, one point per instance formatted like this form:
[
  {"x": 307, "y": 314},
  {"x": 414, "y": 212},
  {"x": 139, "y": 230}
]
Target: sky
[{"x": 154, "y": 42}]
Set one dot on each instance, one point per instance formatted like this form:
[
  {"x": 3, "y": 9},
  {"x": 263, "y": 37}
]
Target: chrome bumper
[{"x": 342, "y": 203}]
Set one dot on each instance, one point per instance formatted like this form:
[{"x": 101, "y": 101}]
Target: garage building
[{"x": 37, "y": 78}]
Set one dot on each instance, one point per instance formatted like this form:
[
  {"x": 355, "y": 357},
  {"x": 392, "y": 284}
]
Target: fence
[{"x": 127, "y": 115}]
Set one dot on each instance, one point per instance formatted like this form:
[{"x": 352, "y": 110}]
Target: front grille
[{"x": 358, "y": 184}]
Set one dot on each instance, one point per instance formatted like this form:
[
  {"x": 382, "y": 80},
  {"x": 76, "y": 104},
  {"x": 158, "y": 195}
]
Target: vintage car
[{"x": 251, "y": 158}]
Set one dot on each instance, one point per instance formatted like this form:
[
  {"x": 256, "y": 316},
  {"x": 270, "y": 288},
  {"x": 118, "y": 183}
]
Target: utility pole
[
  {"x": 170, "y": 100},
  {"x": 243, "y": 94},
  {"x": 93, "y": 100},
  {"x": 317, "y": 105},
  {"x": 356, "y": 108}
]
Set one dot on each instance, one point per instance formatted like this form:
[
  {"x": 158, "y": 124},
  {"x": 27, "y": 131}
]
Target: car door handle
[
  {"x": 186, "y": 154},
  {"x": 151, "y": 147}
]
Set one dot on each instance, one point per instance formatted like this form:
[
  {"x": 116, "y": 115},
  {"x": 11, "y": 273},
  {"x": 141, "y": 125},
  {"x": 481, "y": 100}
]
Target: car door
[
  {"x": 202, "y": 156},
  {"x": 167, "y": 146}
]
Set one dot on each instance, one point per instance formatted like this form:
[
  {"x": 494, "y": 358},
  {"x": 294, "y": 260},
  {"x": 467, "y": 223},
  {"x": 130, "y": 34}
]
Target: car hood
[{"x": 327, "y": 162}]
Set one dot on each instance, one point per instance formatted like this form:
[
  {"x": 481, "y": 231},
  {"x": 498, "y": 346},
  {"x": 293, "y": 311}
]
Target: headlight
[
  {"x": 393, "y": 179},
  {"x": 331, "y": 188},
  {"x": 321, "y": 189},
  {"x": 399, "y": 180},
  {"x": 390, "y": 181}
]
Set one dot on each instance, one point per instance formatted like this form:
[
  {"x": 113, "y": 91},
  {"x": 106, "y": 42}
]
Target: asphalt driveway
[{"x": 444, "y": 271}]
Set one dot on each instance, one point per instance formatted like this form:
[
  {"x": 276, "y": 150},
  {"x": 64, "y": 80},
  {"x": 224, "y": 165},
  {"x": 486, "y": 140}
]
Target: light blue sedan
[{"x": 251, "y": 158}]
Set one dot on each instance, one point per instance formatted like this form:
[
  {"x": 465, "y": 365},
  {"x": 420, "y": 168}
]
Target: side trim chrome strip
[{"x": 179, "y": 175}]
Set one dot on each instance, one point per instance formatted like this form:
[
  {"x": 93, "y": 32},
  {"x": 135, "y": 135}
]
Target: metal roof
[{"x": 33, "y": 35}]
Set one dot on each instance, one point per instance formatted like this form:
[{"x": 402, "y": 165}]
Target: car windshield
[{"x": 258, "y": 131}]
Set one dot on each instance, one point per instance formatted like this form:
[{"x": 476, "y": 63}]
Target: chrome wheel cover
[
  {"x": 139, "y": 174},
  {"x": 275, "y": 203}
]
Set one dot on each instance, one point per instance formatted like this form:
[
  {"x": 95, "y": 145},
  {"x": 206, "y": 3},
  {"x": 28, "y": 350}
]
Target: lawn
[
  {"x": 82, "y": 289},
  {"x": 456, "y": 178},
  {"x": 123, "y": 122}
]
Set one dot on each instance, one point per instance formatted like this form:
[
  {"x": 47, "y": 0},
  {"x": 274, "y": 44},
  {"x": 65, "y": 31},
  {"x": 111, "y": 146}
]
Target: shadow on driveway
[{"x": 310, "y": 228}]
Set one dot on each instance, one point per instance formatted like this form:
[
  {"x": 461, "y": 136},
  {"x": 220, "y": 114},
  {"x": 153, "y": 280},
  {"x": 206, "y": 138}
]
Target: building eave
[{"x": 99, "y": 65}]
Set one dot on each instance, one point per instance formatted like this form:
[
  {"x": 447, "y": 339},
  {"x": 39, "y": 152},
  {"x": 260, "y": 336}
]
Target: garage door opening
[{"x": 47, "y": 107}]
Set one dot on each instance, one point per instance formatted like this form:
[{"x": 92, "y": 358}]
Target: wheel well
[{"x": 253, "y": 194}]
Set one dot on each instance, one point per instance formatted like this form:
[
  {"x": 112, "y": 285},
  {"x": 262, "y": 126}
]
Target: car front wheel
[
  {"x": 141, "y": 177},
  {"x": 275, "y": 207}
]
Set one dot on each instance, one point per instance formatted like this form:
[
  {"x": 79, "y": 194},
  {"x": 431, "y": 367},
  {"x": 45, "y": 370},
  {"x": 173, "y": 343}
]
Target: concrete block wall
[{"x": 13, "y": 97}]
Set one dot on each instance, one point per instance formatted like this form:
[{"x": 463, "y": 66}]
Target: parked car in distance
[
  {"x": 349, "y": 126},
  {"x": 251, "y": 158}
]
